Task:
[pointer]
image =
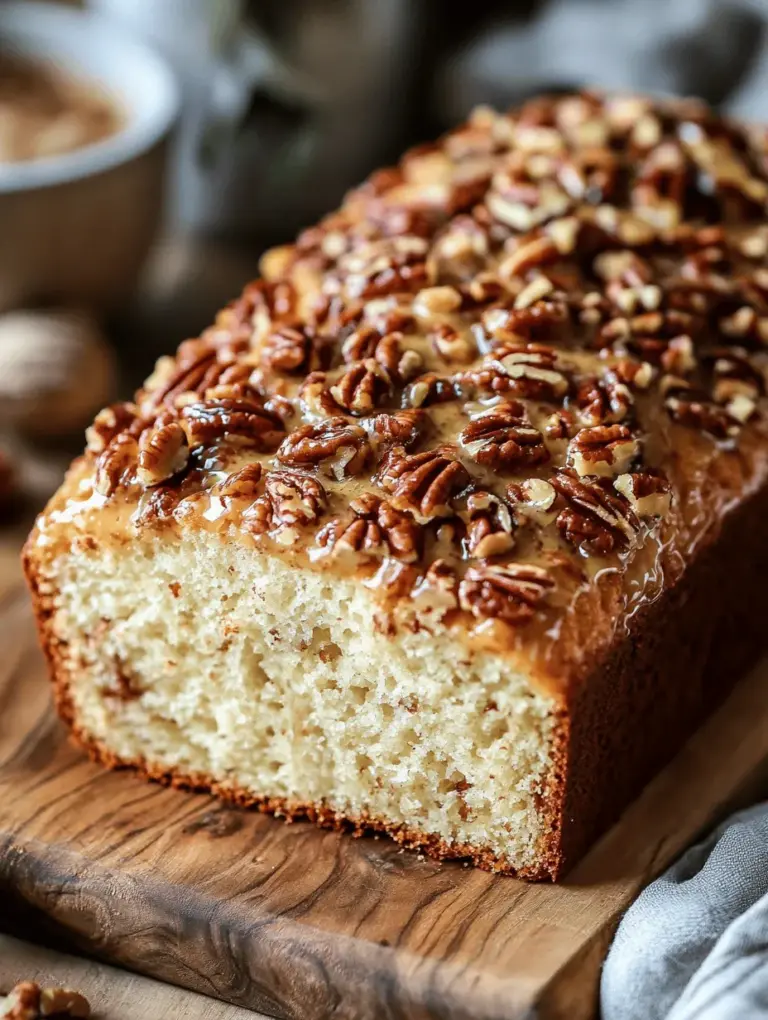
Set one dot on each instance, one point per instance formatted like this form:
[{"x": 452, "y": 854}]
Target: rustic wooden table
[{"x": 114, "y": 994}]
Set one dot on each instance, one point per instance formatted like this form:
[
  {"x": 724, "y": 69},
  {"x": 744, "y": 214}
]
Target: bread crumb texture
[{"x": 280, "y": 683}]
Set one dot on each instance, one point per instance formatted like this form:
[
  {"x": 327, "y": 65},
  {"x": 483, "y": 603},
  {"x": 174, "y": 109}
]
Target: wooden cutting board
[{"x": 297, "y": 922}]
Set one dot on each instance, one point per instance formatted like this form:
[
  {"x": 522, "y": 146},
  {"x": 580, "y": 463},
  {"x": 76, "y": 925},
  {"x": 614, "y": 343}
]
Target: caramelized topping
[{"x": 492, "y": 350}]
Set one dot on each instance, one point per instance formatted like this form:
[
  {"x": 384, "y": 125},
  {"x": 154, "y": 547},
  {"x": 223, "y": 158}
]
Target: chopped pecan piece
[
  {"x": 531, "y": 251},
  {"x": 603, "y": 401},
  {"x": 157, "y": 506},
  {"x": 490, "y": 526},
  {"x": 377, "y": 529},
  {"x": 595, "y": 518},
  {"x": 635, "y": 374},
  {"x": 460, "y": 252},
  {"x": 362, "y": 387},
  {"x": 436, "y": 302},
  {"x": 691, "y": 407},
  {"x": 430, "y": 389},
  {"x": 533, "y": 292},
  {"x": 504, "y": 438},
  {"x": 423, "y": 483},
  {"x": 28, "y": 1001},
  {"x": 679, "y": 356},
  {"x": 737, "y": 383},
  {"x": 117, "y": 464},
  {"x": 335, "y": 444},
  {"x": 602, "y": 450},
  {"x": 512, "y": 592},
  {"x": 451, "y": 345},
  {"x": 401, "y": 363},
  {"x": 163, "y": 452},
  {"x": 522, "y": 204},
  {"x": 532, "y": 500},
  {"x": 241, "y": 421},
  {"x": 107, "y": 424},
  {"x": 437, "y": 591},
  {"x": 560, "y": 424},
  {"x": 316, "y": 398},
  {"x": 648, "y": 494},
  {"x": 653, "y": 335}
]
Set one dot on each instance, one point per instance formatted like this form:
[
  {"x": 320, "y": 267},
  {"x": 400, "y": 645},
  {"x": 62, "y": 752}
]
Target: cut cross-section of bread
[{"x": 450, "y": 526}]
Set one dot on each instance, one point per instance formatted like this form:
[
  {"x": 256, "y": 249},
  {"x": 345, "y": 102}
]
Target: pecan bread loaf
[{"x": 452, "y": 525}]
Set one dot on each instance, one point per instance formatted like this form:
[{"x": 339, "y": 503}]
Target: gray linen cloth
[{"x": 694, "y": 945}]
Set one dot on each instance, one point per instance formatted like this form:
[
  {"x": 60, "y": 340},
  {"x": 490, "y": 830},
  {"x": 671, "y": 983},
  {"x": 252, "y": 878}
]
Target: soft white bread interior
[{"x": 211, "y": 661}]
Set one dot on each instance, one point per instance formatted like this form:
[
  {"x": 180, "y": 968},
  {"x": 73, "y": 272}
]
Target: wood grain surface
[
  {"x": 296, "y": 922},
  {"x": 113, "y": 994}
]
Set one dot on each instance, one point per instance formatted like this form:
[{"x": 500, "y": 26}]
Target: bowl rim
[{"x": 137, "y": 136}]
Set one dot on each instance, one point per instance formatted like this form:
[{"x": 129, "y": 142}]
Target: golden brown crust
[
  {"x": 520, "y": 379},
  {"x": 572, "y": 295}
]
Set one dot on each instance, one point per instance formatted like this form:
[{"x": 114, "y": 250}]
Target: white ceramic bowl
[{"x": 76, "y": 228}]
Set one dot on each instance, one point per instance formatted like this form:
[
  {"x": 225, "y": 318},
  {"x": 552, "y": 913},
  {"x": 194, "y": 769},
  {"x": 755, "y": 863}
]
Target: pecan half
[
  {"x": 388, "y": 350},
  {"x": 293, "y": 350},
  {"x": 377, "y": 529},
  {"x": 163, "y": 452},
  {"x": 242, "y": 484},
  {"x": 542, "y": 320},
  {"x": 423, "y": 483},
  {"x": 335, "y": 444},
  {"x": 291, "y": 500},
  {"x": 400, "y": 428},
  {"x": 595, "y": 518},
  {"x": 527, "y": 370},
  {"x": 648, "y": 494},
  {"x": 530, "y": 252},
  {"x": 489, "y": 527},
  {"x": 362, "y": 387},
  {"x": 240, "y": 421},
  {"x": 512, "y": 592},
  {"x": 180, "y": 376},
  {"x": 605, "y": 450},
  {"x": 116, "y": 465},
  {"x": 504, "y": 438}
]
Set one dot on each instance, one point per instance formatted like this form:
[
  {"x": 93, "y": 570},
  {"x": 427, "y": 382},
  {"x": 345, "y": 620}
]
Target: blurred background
[{"x": 150, "y": 150}]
